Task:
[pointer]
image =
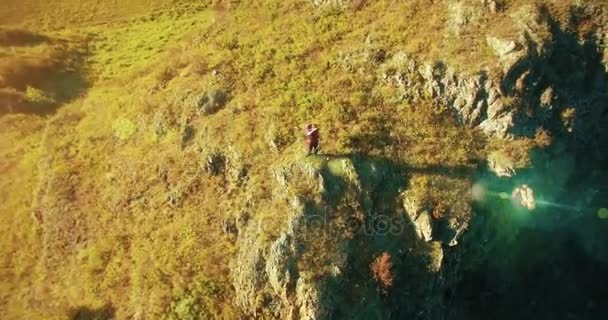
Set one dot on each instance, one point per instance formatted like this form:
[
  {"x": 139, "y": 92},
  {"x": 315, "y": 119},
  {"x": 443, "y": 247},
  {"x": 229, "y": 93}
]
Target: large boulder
[
  {"x": 416, "y": 209},
  {"x": 424, "y": 228},
  {"x": 508, "y": 51},
  {"x": 212, "y": 101},
  {"x": 501, "y": 165}
]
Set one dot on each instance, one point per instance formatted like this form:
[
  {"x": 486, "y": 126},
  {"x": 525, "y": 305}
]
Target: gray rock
[
  {"x": 501, "y": 47},
  {"x": 271, "y": 270},
  {"x": 411, "y": 204},
  {"x": 472, "y": 103},
  {"x": 436, "y": 257},
  {"x": 545, "y": 105},
  {"x": 546, "y": 99},
  {"x": 421, "y": 219},
  {"x": 459, "y": 15},
  {"x": 280, "y": 266},
  {"x": 501, "y": 165},
  {"x": 521, "y": 84},
  {"x": 424, "y": 228},
  {"x": 605, "y": 60},
  {"x": 499, "y": 126},
  {"x": 508, "y": 51},
  {"x": 215, "y": 163},
  {"x": 475, "y": 100},
  {"x": 285, "y": 280},
  {"x": 212, "y": 101},
  {"x": 459, "y": 227},
  {"x": 248, "y": 272},
  {"x": 308, "y": 303}
]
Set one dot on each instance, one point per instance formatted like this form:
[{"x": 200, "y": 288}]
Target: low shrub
[
  {"x": 197, "y": 303},
  {"x": 38, "y": 97},
  {"x": 382, "y": 270}
]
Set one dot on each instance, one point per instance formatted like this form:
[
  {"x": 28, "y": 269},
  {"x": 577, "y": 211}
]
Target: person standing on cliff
[{"x": 312, "y": 138}]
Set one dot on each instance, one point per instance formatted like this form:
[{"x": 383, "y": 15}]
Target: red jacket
[{"x": 312, "y": 135}]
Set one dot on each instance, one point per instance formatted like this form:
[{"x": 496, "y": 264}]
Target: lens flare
[
  {"x": 602, "y": 213},
  {"x": 478, "y": 192},
  {"x": 524, "y": 196},
  {"x": 557, "y": 205}
]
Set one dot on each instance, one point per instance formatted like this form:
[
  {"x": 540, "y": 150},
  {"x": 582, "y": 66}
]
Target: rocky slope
[
  {"x": 544, "y": 71},
  {"x": 181, "y": 191}
]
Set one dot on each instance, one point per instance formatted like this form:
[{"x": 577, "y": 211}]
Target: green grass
[
  {"x": 66, "y": 14},
  {"x": 126, "y": 47}
]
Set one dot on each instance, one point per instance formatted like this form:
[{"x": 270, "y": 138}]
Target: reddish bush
[{"x": 382, "y": 270}]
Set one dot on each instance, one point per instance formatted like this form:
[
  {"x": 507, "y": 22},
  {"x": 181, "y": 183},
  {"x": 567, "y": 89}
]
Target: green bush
[{"x": 201, "y": 302}]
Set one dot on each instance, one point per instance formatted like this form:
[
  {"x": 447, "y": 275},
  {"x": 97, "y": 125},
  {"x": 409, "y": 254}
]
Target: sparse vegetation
[
  {"x": 135, "y": 137},
  {"x": 130, "y": 196}
]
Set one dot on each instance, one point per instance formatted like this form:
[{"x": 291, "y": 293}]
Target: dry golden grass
[
  {"x": 45, "y": 15},
  {"x": 118, "y": 209}
]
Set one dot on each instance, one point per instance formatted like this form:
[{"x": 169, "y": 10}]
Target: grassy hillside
[
  {"x": 45, "y": 15},
  {"x": 43, "y": 71},
  {"x": 166, "y": 120}
]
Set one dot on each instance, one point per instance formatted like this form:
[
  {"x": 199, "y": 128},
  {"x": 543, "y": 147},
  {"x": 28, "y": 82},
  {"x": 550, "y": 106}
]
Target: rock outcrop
[
  {"x": 523, "y": 96},
  {"x": 476, "y": 100},
  {"x": 419, "y": 216},
  {"x": 268, "y": 274},
  {"x": 212, "y": 101},
  {"x": 306, "y": 263},
  {"x": 501, "y": 165}
]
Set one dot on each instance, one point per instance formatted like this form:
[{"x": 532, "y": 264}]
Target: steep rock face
[
  {"x": 549, "y": 67},
  {"x": 267, "y": 276},
  {"x": 527, "y": 92},
  {"x": 546, "y": 71},
  {"x": 553, "y": 77},
  {"x": 275, "y": 276},
  {"x": 335, "y": 215},
  {"x": 419, "y": 216},
  {"x": 313, "y": 261},
  {"x": 476, "y": 100}
]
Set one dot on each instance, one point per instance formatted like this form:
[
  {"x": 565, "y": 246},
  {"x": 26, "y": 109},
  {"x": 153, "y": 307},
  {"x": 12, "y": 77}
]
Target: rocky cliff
[
  {"x": 544, "y": 70},
  {"x": 181, "y": 190}
]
